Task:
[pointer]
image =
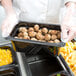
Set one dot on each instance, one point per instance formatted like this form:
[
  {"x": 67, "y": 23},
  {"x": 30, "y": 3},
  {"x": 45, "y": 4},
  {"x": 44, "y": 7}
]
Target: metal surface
[
  {"x": 43, "y": 64},
  {"x": 20, "y": 60},
  {"x": 22, "y": 65}
]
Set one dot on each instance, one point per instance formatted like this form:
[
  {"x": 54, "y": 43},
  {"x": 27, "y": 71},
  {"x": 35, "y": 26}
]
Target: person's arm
[
  {"x": 7, "y": 4},
  {"x": 11, "y": 17},
  {"x": 69, "y": 21}
]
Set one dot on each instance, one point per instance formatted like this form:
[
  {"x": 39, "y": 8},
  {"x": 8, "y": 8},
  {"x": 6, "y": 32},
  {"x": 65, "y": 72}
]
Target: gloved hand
[
  {"x": 68, "y": 23},
  {"x": 8, "y": 24}
]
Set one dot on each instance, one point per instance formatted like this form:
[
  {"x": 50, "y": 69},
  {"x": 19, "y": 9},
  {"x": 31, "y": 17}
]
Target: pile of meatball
[{"x": 39, "y": 34}]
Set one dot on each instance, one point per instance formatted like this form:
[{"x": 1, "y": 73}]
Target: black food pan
[
  {"x": 14, "y": 63},
  {"x": 43, "y": 64},
  {"x": 24, "y": 42},
  {"x": 61, "y": 59}
]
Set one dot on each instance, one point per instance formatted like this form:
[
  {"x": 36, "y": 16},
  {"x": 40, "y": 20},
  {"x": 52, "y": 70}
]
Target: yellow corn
[
  {"x": 69, "y": 54},
  {"x": 5, "y": 57}
]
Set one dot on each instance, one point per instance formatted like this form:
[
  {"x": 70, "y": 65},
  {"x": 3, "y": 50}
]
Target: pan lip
[{"x": 61, "y": 44}]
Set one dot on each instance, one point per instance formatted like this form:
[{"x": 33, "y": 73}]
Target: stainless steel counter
[{"x": 23, "y": 66}]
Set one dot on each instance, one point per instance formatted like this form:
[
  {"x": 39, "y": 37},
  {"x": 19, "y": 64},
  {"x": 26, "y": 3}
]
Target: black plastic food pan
[
  {"x": 61, "y": 60},
  {"x": 43, "y": 64},
  {"x": 46, "y": 67},
  {"x": 14, "y": 63},
  {"x": 18, "y": 41}
]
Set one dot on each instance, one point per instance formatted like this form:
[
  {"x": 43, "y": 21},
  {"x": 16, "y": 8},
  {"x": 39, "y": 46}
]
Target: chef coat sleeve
[{"x": 65, "y": 1}]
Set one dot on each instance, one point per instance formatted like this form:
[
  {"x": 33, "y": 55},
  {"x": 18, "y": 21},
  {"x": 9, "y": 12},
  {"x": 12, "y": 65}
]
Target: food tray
[
  {"x": 61, "y": 59},
  {"x": 14, "y": 63},
  {"x": 24, "y": 42},
  {"x": 43, "y": 64}
]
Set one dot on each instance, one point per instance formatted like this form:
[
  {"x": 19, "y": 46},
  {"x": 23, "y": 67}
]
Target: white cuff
[{"x": 65, "y": 1}]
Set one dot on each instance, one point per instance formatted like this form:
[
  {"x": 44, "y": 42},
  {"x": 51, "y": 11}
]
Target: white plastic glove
[
  {"x": 68, "y": 23},
  {"x": 8, "y": 24}
]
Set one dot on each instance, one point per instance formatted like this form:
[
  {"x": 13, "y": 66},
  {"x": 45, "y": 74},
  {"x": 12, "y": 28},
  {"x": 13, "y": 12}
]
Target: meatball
[
  {"x": 22, "y": 29},
  {"x": 25, "y": 34},
  {"x": 49, "y": 32},
  {"x": 26, "y": 37},
  {"x": 30, "y": 29},
  {"x": 32, "y": 34},
  {"x": 47, "y": 37},
  {"x": 57, "y": 41},
  {"x": 36, "y": 28},
  {"x": 51, "y": 41},
  {"x": 42, "y": 40},
  {"x": 53, "y": 37},
  {"x": 20, "y": 37},
  {"x": 39, "y": 31},
  {"x": 53, "y": 32},
  {"x": 39, "y": 36},
  {"x": 34, "y": 39},
  {"x": 44, "y": 30},
  {"x": 20, "y": 34},
  {"x": 15, "y": 37}
]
